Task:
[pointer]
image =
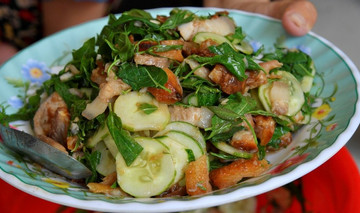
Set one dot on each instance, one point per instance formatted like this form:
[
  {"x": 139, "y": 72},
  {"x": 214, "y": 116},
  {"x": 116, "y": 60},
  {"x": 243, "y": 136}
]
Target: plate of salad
[{"x": 176, "y": 109}]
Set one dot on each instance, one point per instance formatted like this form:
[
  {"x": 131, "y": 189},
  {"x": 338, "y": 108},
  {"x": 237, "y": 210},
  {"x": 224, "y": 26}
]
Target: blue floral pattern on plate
[{"x": 35, "y": 71}]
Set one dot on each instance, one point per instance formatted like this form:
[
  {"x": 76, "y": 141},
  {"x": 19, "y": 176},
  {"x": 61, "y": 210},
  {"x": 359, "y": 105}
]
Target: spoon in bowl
[{"x": 43, "y": 153}]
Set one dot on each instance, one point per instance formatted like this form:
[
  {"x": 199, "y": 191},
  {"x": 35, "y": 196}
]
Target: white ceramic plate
[{"x": 336, "y": 119}]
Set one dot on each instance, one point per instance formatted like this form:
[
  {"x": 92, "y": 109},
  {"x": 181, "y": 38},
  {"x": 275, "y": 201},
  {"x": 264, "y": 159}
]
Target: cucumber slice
[
  {"x": 202, "y": 36},
  {"x": 296, "y": 99},
  {"x": 150, "y": 174},
  {"x": 111, "y": 145},
  {"x": 99, "y": 135},
  {"x": 263, "y": 96},
  {"x": 106, "y": 165},
  {"x": 186, "y": 128},
  {"x": 186, "y": 140},
  {"x": 231, "y": 150},
  {"x": 179, "y": 154},
  {"x": 244, "y": 47},
  {"x": 134, "y": 119},
  {"x": 307, "y": 81},
  {"x": 191, "y": 99}
]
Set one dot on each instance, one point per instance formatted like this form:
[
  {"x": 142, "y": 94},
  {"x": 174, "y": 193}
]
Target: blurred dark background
[{"x": 124, "y": 5}]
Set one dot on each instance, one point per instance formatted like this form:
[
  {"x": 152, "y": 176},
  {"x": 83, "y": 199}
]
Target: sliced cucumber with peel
[
  {"x": 242, "y": 46},
  {"x": 134, "y": 119},
  {"x": 111, "y": 145},
  {"x": 99, "y": 135},
  {"x": 225, "y": 147},
  {"x": 106, "y": 165},
  {"x": 152, "y": 172},
  {"x": 191, "y": 99},
  {"x": 307, "y": 81},
  {"x": 179, "y": 154},
  {"x": 202, "y": 36},
  {"x": 296, "y": 99},
  {"x": 186, "y": 128},
  {"x": 186, "y": 140}
]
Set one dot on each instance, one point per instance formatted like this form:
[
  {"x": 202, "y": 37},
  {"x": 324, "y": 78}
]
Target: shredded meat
[
  {"x": 174, "y": 190},
  {"x": 105, "y": 186},
  {"x": 98, "y": 75},
  {"x": 198, "y": 116},
  {"x": 227, "y": 81},
  {"x": 244, "y": 140},
  {"x": 264, "y": 128},
  {"x": 285, "y": 140},
  {"x": 197, "y": 177},
  {"x": 172, "y": 42},
  {"x": 230, "y": 84},
  {"x": 269, "y": 65},
  {"x": 71, "y": 142},
  {"x": 231, "y": 174},
  {"x": 144, "y": 45},
  {"x": 173, "y": 85},
  {"x": 172, "y": 54},
  {"x": 202, "y": 72},
  {"x": 112, "y": 88},
  {"x": 254, "y": 79},
  {"x": 202, "y": 49},
  {"x": 190, "y": 48},
  {"x": 52, "y": 119},
  {"x": 145, "y": 59}
]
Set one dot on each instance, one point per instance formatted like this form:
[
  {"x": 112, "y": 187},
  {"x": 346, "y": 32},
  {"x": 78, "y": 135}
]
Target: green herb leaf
[
  {"x": 225, "y": 136},
  {"x": 121, "y": 47},
  {"x": 147, "y": 108},
  {"x": 216, "y": 163},
  {"x": 191, "y": 156},
  {"x": 227, "y": 56},
  {"x": 92, "y": 160},
  {"x": 63, "y": 90},
  {"x": 29, "y": 109},
  {"x": 224, "y": 156},
  {"x": 142, "y": 76},
  {"x": 126, "y": 145},
  {"x": 176, "y": 18},
  {"x": 84, "y": 60},
  {"x": 238, "y": 36},
  {"x": 138, "y": 13},
  {"x": 3, "y": 116},
  {"x": 162, "y": 48},
  {"x": 224, "y": 113},
  {"x": 17, "y": 83},
  {"x": 240, "y": 104},
  {"x": 228, "y": 116},
  {"x": 279, "y": 131},
  {"x": 207, "y": 96},
  {"x": 261, "y": 152}
]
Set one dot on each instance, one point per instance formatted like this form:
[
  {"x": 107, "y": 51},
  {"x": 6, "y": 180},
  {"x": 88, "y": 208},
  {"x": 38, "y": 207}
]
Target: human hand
[
  {"x": 297, "y": 16},
  {"x": 6, "y": 51}
]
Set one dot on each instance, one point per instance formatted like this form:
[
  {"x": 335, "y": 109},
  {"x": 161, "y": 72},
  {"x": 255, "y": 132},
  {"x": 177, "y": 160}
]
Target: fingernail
[{"x": 298, "y": 20}]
